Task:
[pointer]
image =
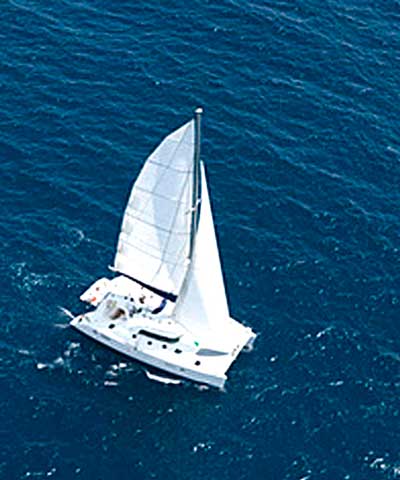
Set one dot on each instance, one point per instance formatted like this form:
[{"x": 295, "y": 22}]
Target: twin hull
[{"x": 175, "y": 358}]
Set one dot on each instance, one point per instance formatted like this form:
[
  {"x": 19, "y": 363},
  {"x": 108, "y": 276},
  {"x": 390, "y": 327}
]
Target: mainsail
[
  {"x": 203, "y": 305},
  {"x": 155, "y": 238}
]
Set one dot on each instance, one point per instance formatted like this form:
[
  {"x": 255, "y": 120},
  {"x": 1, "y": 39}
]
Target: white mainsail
[
  {"x": 203, "y": 305},
  {"x": 154, "y": 241}
]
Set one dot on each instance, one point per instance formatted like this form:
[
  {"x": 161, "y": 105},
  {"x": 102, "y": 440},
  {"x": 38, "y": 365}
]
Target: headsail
[
  {"x": 203, "y": 304},
  {"x": 154, "y": 241}
]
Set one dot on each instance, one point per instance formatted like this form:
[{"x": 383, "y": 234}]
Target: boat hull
[{"x": 129, "y": 349}]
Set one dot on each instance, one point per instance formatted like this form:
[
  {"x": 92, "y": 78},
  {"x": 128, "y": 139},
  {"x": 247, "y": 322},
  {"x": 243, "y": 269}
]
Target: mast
[{"x": 196, "y": 179}]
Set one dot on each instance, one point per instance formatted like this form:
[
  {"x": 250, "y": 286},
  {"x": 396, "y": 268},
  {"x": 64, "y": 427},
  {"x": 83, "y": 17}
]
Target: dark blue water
[{"x": 302, "y": 145}]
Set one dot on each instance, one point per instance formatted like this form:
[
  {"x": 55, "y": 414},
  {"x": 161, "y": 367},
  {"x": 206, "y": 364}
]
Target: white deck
[{"x": 157, "y": 340}]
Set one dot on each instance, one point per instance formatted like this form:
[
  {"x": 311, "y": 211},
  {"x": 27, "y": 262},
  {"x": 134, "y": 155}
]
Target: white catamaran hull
[{"x": 210, "y": 370}]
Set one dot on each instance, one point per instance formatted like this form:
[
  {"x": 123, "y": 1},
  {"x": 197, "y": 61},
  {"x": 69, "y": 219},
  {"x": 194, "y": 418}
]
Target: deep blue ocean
[{"x": 302, "y": 145}]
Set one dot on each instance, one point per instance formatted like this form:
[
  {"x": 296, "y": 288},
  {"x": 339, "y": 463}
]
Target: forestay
[
  {"x": 154, "y": 241},
  {"x": 203, "y": 305}
]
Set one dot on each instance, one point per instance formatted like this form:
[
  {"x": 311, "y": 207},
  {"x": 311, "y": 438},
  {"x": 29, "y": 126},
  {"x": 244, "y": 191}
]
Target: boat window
[
  {"x": 149, "y": 343},
  {"x": 197, "y": 363},
  {"x": 112, "y": 325},
  {"x": 207, "y": 352},
  {"x": 161, "y": 338},
  {"x": 177, "y": 350},
  {"x": 164, "y": 346}
]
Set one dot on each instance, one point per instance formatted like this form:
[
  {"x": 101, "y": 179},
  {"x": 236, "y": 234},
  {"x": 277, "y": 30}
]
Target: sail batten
[
  {"x": 159, "y": 195},
  {"x": 158, "y": 215},
  {"x": 169, "y": 167},
  {"x": 146, "y": 249},
  {"x": 167, "y": 230}
]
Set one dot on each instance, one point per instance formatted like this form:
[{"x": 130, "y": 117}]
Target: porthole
[
  {"x": 177, "y": 350},
  {"x": 197, "y": 363},
  {"x": 112, "y": 325},
  {"x": 149, "y": 343},
  {"x": 134, "y": 335},
  {"x": 164, "y": 346}
]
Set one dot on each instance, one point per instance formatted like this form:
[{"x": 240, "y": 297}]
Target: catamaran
[{"x": 166, "y": 305}]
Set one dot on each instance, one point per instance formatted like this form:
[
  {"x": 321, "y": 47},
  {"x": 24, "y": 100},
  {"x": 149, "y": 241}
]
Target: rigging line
[
  {"x": 196, "y": 196},
  {"x": 146, "y": 247},
  {"x": 162, "y": 229},
  {"x": 159, "y": 195},
  {"x": 181, "y": 253},
  {"x": 158, "y": 180},
  {"x": 197, "y": 207},
  {"x": 169, "y": 233},
  {"x": 190, "y": 265},
  {"x": 173, "y": 222},
  {"x": 151, "y": 195},
  {"x": 144, "y": 252},
  {"x": 168, "y": 167},
  {"x": 172, "y": 155},
  {"x": 161, "y": 177}
]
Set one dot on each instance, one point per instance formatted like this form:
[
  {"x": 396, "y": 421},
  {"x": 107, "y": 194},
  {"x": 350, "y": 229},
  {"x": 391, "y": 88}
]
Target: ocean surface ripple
[{"x": 302, "y": 147}]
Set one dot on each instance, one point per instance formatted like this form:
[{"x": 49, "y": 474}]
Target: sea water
[{"x": 302, "y": 148}]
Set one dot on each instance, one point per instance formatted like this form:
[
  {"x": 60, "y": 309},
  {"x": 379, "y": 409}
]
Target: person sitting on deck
[
  {"x": 118, "y": 313},
  {"x": 142, "y": 299}
]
